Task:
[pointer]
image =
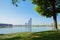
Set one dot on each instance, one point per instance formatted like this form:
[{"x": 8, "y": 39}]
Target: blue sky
[{"x": 19, "y": 15}]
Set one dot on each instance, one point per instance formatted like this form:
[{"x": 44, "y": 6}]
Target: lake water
[{"x": 23, "y": 29}]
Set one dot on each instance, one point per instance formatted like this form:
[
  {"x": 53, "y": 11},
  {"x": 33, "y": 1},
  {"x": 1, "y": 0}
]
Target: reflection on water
[{"x": 23, "y": 29}]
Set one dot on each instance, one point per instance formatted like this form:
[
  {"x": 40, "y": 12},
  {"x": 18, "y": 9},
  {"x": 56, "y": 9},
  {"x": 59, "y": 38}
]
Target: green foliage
[
  {"x": 43, "y": 12},
  {"x": 16, "y": 2},
  {"x": 44, "y": 7}
]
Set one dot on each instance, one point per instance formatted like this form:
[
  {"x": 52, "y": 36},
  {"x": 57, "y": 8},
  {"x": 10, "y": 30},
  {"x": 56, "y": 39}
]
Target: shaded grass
[{"x": 46, "y": 35}]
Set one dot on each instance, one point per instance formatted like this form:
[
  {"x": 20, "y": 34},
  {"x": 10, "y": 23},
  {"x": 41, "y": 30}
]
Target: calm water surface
[{"x": 23, "y": 29}]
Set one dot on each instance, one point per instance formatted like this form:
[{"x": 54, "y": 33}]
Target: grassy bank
[{"x": 46, "y": 35}]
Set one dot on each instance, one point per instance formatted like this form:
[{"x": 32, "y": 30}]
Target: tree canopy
[
  {"x": 44, "y": 7},
  {"x": 16, "y": 2}
]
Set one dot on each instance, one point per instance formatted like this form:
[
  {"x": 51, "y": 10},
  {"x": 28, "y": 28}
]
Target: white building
[{"x": 29, "y": 24}]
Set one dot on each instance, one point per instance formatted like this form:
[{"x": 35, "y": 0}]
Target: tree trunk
[
  {"x": 55, "y": 22},
  {"x": 54, "y": 14}
]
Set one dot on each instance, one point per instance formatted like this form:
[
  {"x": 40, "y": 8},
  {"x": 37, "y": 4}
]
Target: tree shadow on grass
[{"x": 46, "y": 36}]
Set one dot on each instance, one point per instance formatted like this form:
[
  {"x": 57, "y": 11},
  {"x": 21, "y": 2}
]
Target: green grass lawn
[{"x": 46, "y": 35}]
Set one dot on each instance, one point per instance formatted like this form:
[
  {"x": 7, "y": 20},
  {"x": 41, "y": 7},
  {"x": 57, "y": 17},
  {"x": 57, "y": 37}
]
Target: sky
[{"x": 20, "y": 15}]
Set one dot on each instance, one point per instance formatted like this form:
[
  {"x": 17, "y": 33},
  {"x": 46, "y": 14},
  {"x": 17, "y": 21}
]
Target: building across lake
[{"x": 29, "y": 24}]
